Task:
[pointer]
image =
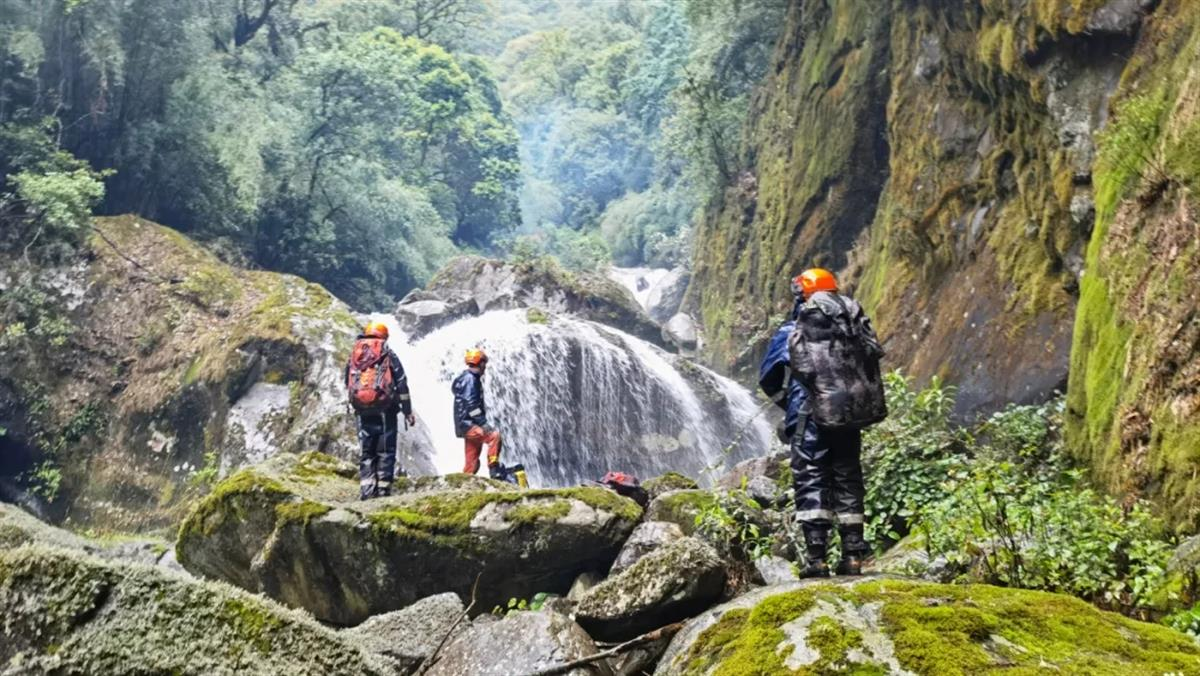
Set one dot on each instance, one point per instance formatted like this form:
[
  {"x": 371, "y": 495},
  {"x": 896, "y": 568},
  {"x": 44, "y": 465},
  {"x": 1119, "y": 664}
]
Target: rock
[
  {"x": 929, "y": 58},
  {"x": 666, "y": 297},
  {"x": 524, "y": 642},
  {"x": 767, "y": 479},
  {"x": 187, "y": 368},
  {"x": 581, "y": 585},
  {"x": 68, "y": 613},
  {"x": 671, "y": 583},
  {"x": 647, "y": 537},
  {"x": 671, "y": 481},
  {"x": 1118, "y": 17},
  {"x": 904, "y": 627},
  {"x": 681, "y": 331},
  {"x": 679, "y": 507},
  {"x": 406, "y": 637},
  {"x": 293, "y": 528},
  {"x": 775, "y": 570},
  {"x": 469, "y": 286},
  {"x": 1186, "y": 556}
]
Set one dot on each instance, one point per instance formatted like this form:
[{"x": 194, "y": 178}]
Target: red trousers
[{"x": 475, "y": 440}]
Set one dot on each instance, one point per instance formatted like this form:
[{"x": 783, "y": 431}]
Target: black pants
[
  {"x": 828, "y": 482},
  {"x": 377, "y": 464}
]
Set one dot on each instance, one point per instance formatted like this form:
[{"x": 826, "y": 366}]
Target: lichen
[{"x": 671, "y": 481}]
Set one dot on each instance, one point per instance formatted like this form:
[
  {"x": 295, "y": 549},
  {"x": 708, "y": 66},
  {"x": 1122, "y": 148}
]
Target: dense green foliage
[
  {"x": 629, "y": 115},
  {"x": 324, "y": 138}
]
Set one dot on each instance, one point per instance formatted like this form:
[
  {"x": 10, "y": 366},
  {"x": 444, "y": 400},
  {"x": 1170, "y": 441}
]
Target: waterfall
[{"x": 575, "y": 399}]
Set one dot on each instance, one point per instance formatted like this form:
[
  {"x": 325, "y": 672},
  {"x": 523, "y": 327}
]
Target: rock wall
[
  {"x": 952, "y": 161},
  {"x": 177, "y": 368},
  {"x": 938, "y": 155},
  {"x": 1134, "y": 394}
]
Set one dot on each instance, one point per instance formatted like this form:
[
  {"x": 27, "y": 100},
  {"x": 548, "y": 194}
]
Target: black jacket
[
  {"x": 399, "y": 383},
  {"x": 469, "y": 407}
]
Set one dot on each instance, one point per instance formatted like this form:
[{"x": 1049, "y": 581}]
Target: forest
[{"x": 363, "y": 143}]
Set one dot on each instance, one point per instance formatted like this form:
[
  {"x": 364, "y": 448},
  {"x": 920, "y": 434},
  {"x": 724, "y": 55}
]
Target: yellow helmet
[
  {"x": 476, "y": 357},
  {"x": 376, "y": 330}
]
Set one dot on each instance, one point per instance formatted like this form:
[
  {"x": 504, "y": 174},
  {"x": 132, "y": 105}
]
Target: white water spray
[{"x": 575, "y": 399}]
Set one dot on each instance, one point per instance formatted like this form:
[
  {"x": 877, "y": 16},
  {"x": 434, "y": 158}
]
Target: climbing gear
[
  {"x": 476, "y": 357},
  {"x": 626, "y": 485},
  {"x": 835, "y": 354},
  {"x": 813, "y": 280},
  {"x": 369, "y": 377},
  {"x": 376, "y": 330}
]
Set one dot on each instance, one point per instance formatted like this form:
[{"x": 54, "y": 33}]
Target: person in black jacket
[
  {"x": 470, "y": 417},
  {"x": 378, "y": 392}
]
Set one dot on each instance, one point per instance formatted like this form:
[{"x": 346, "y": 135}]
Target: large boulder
[
  {"x": 68, "y": 613},
  {"x": 867, "y": 625},
  {"x": 671, "y": 481},
  {"x": 767, "y": 479},
  {"x": 647, "y": 537},
  {"x": 681, "y": 332},
  {"x": 294, "y": 529},
  {"x": 525, "y": 642},
  {"x": 18, "y": 527},
  {"x": 671, "y": 583},
  {"x": 471, "y": 286},
  {"x": 680, "y": 507},
  {"x": 182, "y": 369},
  {"x": 666, "y": 296},
  {"x": 408, "y": 636}
]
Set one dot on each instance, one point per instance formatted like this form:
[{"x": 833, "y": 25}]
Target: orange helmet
[
  {"x": 813, "y": 280},
  {"x": 476, "y": 357},
  {"x": 376, "y": 330}
]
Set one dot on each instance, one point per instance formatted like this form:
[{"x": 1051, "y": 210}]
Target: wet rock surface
[
  {"x": 646, "y": 538},
  {"x": 294, "y": 530},
  {"x": 408, "y": 636},
  {"x": 524, "y": 642},
  {"x": 669, "y": 584},
  {"x": 666, "y": 296}
]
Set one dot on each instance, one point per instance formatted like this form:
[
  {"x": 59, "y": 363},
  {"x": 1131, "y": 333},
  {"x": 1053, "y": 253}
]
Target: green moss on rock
[{"x": 928, "y": 629}]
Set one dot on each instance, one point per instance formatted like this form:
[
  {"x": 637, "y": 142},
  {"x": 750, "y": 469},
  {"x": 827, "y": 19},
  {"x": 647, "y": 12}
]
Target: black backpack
[{"x": 835, "y": 353}]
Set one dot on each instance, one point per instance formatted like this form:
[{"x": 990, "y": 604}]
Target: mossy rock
[
  {"x": 882, "y": 626},
  {"x": 65, "y": 612},
  {"x": 671, "y": 583},
  {"x": 680, "y": 507},
  {"x": 671, "y": 481},
  {"x": 294, "y": 529}
]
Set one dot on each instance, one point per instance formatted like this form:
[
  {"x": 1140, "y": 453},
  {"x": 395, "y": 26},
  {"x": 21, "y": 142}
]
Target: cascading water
[{"x": 575, "y": 399}]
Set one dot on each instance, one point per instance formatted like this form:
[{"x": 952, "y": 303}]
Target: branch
[
  {"x": 649, "y": 637},
  {"x": 134, "y": 263},
  {"x": 429, "y": 661}
]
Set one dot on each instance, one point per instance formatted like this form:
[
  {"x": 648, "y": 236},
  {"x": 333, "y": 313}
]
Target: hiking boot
[
  {"x": 497, "y": 472},
  {"x": 814, "y": 568},
  {"x": 851, "y": 564}
]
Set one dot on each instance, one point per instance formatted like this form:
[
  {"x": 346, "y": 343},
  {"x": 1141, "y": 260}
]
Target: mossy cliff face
[
  {"x": 65, "y": 612},
  {"x": 178, "y": 368},
  {"x": 963, "y": 228},
  {"x": 1133, "y": 404},
  {"x": 899, "y": 627},
  {"x": 294, "y": 529}
]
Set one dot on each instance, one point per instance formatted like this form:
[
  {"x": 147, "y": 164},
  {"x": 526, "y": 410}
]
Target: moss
[
  {"x": 252, "y": 622},
  {"x": 212, "y": 510},
  {"x": 533, "y": 513},
  {"x": 535, "y": 315},
  {"x": 671, "y": 481},
  {"x": 317, "y": 465},
  {"x": 945, "y": 630},
  {"x": 300, "y": 511}
]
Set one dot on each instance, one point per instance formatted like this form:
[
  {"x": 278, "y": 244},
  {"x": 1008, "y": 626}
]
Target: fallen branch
[
  {"x": 649, "y": 637},
  {"x": 132, "y": 261},
  {"x": 429, "y": 661}
]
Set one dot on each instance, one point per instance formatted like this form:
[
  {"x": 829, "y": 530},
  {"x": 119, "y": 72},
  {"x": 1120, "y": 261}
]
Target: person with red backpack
[
  {"x": 378, "y": 391},
  {"x": 471, "y": 419}
]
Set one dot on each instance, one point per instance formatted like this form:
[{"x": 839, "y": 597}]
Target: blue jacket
[
  {"x": 469, "y": 407},
  {"x": 776, "y": 380}
]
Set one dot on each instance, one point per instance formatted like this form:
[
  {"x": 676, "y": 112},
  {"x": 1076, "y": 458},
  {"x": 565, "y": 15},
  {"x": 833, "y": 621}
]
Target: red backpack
[{"x": 369, "y": 378}]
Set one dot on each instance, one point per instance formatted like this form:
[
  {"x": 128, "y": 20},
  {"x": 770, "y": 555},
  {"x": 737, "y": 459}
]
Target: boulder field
[{"x": 294, "y": 529}]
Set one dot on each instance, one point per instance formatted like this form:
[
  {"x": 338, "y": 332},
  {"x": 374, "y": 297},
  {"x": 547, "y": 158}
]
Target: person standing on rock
[
  {"x": 822, "y": 368},
  {"x": 470, "y": 417},
  {"x": 378, "y": 390}
]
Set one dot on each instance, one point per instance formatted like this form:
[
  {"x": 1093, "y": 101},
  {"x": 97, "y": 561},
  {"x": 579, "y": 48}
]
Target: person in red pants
[{"x": 470, "y": 417}]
